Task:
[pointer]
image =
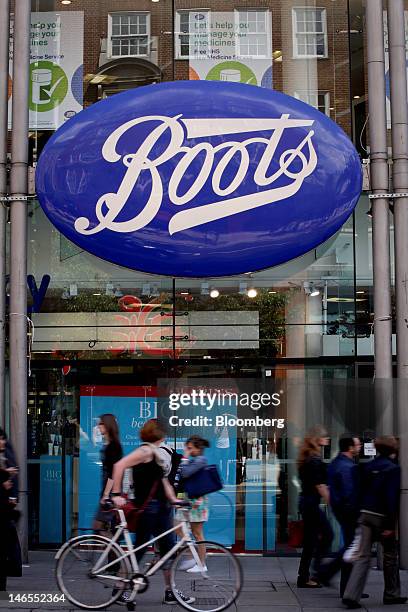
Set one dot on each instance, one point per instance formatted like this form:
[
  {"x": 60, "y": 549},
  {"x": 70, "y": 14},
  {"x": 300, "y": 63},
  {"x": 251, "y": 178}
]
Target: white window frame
[
  {"x": 148, "y": 33},
  {"x": 268, "y": 30},
  {"x": 296, "y": 54},
  {"x": 307, "y": 92},
  {"x": 178, "y": 32}
]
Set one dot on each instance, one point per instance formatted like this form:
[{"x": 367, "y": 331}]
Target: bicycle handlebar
[{"x": 109, "y": 505}]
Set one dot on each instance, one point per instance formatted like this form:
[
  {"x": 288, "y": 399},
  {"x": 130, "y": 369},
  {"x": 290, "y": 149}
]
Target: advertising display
[
  {"x": 132, "y": 407},
  {"x": 222, "y": 453},
  {"x": 56, "y": 68},
  {"x": 227, "y": 46},
  {"x": 226, "y": 179}
]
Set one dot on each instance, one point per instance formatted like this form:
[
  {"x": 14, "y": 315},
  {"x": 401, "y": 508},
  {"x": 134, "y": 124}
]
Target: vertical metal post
[
  {"x": 4, "y": 68},
  {"x": 399, "y": 124},
  {"x": 18, "y": 253},
  {"x": 379, "y": 184}
]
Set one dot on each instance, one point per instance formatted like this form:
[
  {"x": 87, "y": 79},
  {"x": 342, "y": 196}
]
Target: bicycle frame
[{"x": 99, "y": 568}]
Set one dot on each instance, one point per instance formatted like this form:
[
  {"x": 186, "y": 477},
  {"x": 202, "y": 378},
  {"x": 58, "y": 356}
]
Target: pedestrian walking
[
  {"x": 192, "y": 462},
  {"x": 152, "y": 493},
  {"x": 10, "y": 552},
  {"x": 111, "y": 453},
  {"x": 344, "y": 488},
  {"x": 318, "y": 534},
  {"x": 381, "y": 480}
]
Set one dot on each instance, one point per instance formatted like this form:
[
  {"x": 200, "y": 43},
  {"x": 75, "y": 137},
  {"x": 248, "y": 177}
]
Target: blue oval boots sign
[{"x": 199, "y": 178}]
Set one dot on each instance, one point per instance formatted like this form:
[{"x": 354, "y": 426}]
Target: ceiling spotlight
[
  {"x": 252, "y": 292},
  {"x": 65, "y": 1},
  {"x": 214, "y": 293}
]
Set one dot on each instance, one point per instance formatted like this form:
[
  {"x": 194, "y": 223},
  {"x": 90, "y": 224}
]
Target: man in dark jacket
[
  {"x": 343, "y": 480},
  {"x": 379, "y": 510}
]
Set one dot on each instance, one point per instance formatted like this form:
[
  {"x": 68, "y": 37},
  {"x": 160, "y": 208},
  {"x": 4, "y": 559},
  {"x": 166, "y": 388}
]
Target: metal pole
[
  {"x": 18, "y": 254},
  {"x": 4, "y": 68},
  {"x": 380, "y": 222},
  {"x": 379, "y": 184},
  {"x": 399, "y": 124}
]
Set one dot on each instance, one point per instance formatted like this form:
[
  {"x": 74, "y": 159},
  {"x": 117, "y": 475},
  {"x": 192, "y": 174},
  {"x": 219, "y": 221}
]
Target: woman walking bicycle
[
  {"x": 152, "y": 493},
  {"x": 94, "y": 571}
]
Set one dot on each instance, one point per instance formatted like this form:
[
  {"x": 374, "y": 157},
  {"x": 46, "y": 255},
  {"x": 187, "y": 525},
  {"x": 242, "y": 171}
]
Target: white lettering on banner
[{"x": 110, "y": 205}]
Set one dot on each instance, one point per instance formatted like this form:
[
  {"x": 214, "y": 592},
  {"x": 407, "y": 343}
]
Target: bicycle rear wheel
[
  {"x": 215, "y": 588},
  {"x": 75, "y": 563}
]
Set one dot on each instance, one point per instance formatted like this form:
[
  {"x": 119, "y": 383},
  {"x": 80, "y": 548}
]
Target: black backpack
[{"x": 175, "y": 464}]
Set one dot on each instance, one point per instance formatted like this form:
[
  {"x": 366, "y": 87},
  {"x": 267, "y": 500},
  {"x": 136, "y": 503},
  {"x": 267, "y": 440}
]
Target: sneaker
[
  {"x": 196, "y": 569},
  {"x": 169, "y": 598},
  {"x": 186, "y": 564}
]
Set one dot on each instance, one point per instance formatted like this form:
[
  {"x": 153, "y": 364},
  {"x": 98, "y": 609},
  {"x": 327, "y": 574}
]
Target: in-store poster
[
  {"x": 222, "y": 453},
  {"x": 132, "y": 407},
  {"x": 56, "y": 68},
  {"x": 225, "y": 47}
]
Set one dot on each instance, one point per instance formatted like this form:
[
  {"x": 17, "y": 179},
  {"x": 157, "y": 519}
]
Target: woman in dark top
[
  {"x": 111, "y": 453},
  {"x": 318, "y": 534},
  {"x": 152, "y": 491}
]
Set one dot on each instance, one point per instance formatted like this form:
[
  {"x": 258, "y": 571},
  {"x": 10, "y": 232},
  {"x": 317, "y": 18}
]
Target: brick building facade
[{"x": 322, "y": 81}]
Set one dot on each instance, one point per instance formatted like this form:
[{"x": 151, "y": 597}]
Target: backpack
[{"x": 175, "y": 464}]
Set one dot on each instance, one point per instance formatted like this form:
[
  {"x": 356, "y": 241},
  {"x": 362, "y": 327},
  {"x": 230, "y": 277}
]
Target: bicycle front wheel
[
  {"x": 215, "y": 586},
  {"x": 75, "y": 566}
]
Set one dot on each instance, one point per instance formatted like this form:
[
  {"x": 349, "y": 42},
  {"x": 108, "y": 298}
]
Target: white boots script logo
[{"x": 110, "y": 205}]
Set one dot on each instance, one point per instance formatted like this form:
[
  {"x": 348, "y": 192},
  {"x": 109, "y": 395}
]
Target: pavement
[{"x": 269, "y": 586}]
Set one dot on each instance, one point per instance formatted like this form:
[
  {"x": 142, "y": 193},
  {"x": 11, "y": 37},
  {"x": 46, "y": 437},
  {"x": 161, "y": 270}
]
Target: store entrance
[{"x": 259, "y": 501}]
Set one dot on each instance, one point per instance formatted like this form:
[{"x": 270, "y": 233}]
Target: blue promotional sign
[
  {"x": 132, "y": 407},
  {"x": 51, "y": 498},
  {"x": 223, "y": 453},
  {"x": 199, "y": 178}
]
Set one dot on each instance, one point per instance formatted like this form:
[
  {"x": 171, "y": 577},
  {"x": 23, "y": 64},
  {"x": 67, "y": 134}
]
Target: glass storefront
[{"x": 98, "y": 325}]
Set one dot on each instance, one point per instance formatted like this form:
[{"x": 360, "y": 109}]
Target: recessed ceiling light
[{"x": 65, "y": 1}]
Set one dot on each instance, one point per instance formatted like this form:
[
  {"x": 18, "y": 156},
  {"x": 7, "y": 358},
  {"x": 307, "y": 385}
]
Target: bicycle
[{"x": 93, "y": 571}]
